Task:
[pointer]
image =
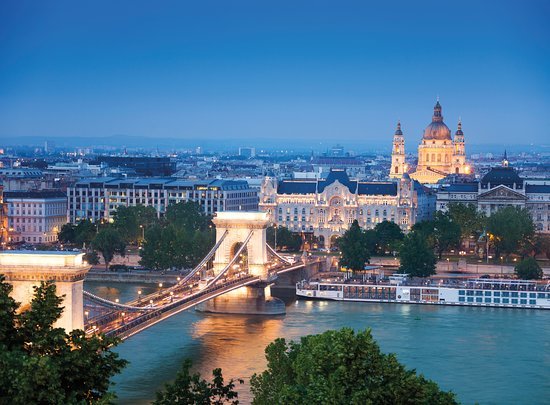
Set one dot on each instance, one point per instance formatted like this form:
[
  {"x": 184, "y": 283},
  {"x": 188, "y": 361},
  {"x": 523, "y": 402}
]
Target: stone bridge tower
[
  {"x": 26, "y": 269},
  {"x": 239, "y": 224}
]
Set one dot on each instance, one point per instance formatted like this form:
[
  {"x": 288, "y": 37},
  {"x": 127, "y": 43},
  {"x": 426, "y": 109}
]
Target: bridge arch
[{"x": 239, "y": 225}]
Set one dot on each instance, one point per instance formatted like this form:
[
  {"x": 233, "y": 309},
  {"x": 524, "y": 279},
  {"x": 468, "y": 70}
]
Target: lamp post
[
  {"x": 142, "y": 233},
  {"x": 275, "y": 232},
  {"x": 139, "y": 295}
]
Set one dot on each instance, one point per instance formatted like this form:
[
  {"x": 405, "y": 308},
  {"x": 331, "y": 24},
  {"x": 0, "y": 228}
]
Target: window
[
  {"x": 479, "y": 299},
  {"x": 487, "y": 300},
  {"x": 496, "y": 300},
  {"x": 532, "y": 302},
  {"x": 461, "y": 299}
]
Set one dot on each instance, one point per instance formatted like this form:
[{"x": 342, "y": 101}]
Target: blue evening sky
[{"x": 311, "y": 71}]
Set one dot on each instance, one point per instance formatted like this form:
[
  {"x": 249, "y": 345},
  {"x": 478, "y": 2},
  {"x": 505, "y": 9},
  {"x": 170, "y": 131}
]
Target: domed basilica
[{"x": 438, "y": 153}]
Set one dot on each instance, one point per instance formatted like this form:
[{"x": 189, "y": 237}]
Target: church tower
[
  {"x": 459, "y": 155},
  {"x": 398, "y": 164}
]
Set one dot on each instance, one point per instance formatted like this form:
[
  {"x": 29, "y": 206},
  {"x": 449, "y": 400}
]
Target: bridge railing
[{"x": 186, "y": 302}]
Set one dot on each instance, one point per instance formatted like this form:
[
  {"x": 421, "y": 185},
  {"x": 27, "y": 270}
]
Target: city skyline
[{"x": 257, "y": 72}]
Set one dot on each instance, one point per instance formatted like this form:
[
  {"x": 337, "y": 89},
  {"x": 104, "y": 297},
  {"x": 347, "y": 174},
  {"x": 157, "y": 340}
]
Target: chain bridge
[{"x": 234, "y": 277}]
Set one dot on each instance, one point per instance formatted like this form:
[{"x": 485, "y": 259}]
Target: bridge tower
[
  {"x": 26, "y": 269},
  {"x": 238, "y": 225}
]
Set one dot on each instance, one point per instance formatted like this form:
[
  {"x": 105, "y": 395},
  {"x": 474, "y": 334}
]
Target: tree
[
  {"x": 42, "y": 364},
  {"x": 285, "y": 238},
  {"x": 354, "y": 247},
  {"x": 187, "y": 215},
  {"x": 389, "y": 235},
  {"x": 80, "y": 234},
  {"x": 528, "y": 269},
  {"x": 510, "y": 228},
  {"x": 416, "y": 257},
  {"x": 192, "y": 389},
  {"x": 470, "y": 220},
  {"x": 340, "y": 367},
  {"x": 109, "y": 242},
  {"x": 132, "y": 222},
  {"x": 446, "y": 233}
]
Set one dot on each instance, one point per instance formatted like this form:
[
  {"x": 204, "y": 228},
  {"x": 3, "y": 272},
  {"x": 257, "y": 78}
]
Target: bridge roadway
[{"x": 136, "y": 316}]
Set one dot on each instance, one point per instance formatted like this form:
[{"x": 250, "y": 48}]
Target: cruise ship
[{"x": 480, "y": 292}]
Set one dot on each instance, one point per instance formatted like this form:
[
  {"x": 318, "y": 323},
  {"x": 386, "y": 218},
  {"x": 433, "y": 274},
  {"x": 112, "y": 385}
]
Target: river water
[{"x": 485, "y": 355}]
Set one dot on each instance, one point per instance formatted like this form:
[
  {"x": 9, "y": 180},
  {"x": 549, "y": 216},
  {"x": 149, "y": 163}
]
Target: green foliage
[
  {"x": 187, "y": 215},
  {"x": 80, "y": 234},
  {"x": 510, "y": 228},
  {"x": 132, "y": 222},
  {"x": 528, "y": 269},
  {"x": 192, "y": 389},
  {"x": 181, "y": 241},
  {"x": 388, "y": 237},
  {"x": 441, "y": 234},
  {"x": 416, "y": 257},
  {"x": 109, "y": 242},
  {"x": 42, "y": 364},
  {"x": 354, "y": 245},
  {"x": 92, "y": 257},
  {"x": 288, "y": 240},
  {"x": 340, "y": 367},
  {"x": 446, "y": 233},
  {"x": 470, "y": 220}
]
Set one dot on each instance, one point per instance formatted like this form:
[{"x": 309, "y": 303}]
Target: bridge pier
[{"x": 249, "y": 300}]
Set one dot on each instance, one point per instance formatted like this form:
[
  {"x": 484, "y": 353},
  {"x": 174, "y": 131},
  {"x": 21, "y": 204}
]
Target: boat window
[
  {"x": 532, "y": 302},
  {"x": 496, "y": 293},
  {"x": 496, "y": 300}
]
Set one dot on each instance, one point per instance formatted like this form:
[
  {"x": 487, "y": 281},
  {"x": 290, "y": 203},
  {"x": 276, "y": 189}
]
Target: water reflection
[{"x": 478, "y": 352}]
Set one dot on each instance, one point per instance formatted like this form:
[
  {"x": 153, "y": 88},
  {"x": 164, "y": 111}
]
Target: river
[{"x": 485, "y": 355}]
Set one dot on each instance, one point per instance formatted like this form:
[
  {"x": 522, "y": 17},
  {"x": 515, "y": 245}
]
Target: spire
[
  {"x": 398, "y": 130},
  {"x": 437, "y": 117},
  {"x": 505, "y": 162},
  {"x": 459, "y": 129}
]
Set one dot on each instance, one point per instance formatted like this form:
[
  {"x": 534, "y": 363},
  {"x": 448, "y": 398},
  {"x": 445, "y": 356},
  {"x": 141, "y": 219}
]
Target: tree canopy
[
  {"x": 42, "y": 364},
  {"x": 181, "y": 240},
  {"x": 193, "y": 390},
  {"x": 528, "y": 269},
  {"x": 340, "y": 367},
  {"x": 80, "y": 234},
  {"x": 109, "y": 242},
  {"x": 470, "y": 220},
  {"x": 354, "y": 246},
  {"x": 510, "y": 228},
  {"x": 285, "y": 238},
  {"x": 388, "y": 237},
  {"x": 132, "y": 222},
  {"x": 416, "y": 257}
]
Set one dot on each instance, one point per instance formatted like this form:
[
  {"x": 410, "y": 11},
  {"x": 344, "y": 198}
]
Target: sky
[{"x": 302, "y": 72}]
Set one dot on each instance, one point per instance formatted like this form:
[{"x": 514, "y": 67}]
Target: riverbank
[{"x": 135, "y": 276}]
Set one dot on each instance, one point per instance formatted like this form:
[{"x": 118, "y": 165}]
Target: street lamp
[
  {"x": 117, "y": 300},
  {"x": 142, "y": 233},
  {"x": 160, "y": 285},
  {"x": 139, "y": 295}
]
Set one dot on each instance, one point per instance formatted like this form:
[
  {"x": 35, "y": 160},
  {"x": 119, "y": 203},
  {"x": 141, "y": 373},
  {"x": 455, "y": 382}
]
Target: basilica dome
[{"x": 437, "y": 130}]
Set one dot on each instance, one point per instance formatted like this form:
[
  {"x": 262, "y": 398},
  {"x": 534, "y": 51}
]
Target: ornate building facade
[
  {"x": 438, "y": 153},
  {"x": 501, "y": 187},
  {"x": 327, "y": 207}
]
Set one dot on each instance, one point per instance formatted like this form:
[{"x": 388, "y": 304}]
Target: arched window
[
  {"x": 433, "y": 157},
  {"x": 439, "y": 157},
  {"x": 427, "y": 157},
  {"x": 446, "y": 158}
]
